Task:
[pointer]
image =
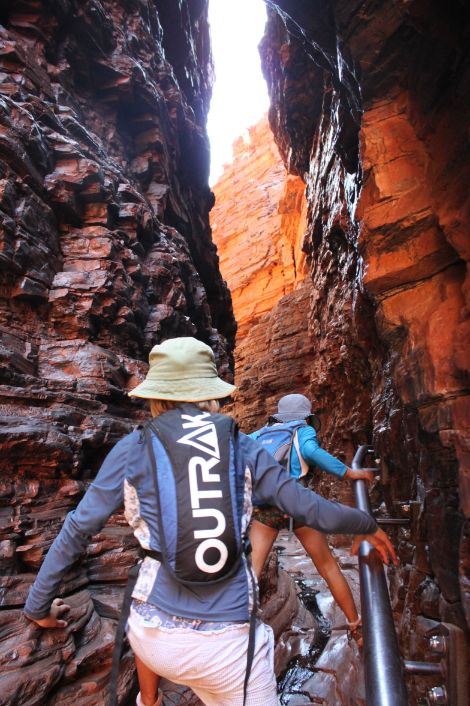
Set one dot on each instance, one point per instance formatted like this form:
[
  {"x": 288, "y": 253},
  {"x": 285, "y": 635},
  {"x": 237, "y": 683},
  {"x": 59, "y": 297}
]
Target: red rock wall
[
  {"x": 105, "y": 250},
  {"x": 260, "y": 249},
  {"x": 370, "y": 107}
]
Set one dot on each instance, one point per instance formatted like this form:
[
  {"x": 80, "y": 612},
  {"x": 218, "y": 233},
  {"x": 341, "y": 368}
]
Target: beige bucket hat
[{"x": 182, "y": 369}]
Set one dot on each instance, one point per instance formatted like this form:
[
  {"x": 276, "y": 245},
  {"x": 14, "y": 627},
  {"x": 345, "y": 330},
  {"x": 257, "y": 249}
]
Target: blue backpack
[{"x": 278, "y": 439}]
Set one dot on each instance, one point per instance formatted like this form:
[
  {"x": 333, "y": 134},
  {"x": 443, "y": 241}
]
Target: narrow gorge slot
[{"x": 320, "y": 248}]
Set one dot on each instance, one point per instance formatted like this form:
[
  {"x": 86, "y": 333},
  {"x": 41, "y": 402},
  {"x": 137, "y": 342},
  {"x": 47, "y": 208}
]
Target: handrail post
[{"x": 383, "y": 669}]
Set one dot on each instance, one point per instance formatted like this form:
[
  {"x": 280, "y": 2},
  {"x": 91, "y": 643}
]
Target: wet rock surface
[
  {"x": 366, "y": 107},
  {"x": 327, "y": 670}
]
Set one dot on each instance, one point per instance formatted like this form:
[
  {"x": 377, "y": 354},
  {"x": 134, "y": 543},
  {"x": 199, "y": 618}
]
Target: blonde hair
[{"x": 160, "y": 406}]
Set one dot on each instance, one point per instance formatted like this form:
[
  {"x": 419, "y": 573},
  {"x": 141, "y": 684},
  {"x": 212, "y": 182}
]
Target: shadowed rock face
[
  {"x": 369, "y": 105},
  {"x": 105, "y": 250}
]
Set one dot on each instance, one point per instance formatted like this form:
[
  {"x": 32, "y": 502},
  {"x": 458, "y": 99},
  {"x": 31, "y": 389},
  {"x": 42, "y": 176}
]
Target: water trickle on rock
[{"x": 301, "y": 667}]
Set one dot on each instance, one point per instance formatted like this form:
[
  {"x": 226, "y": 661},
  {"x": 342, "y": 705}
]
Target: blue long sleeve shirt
[
  {"x": 125, "y": 477},
  {"x": 314, "y": 455}
]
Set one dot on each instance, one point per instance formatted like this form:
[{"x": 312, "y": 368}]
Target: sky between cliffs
[{"x": 239, "y": 97}]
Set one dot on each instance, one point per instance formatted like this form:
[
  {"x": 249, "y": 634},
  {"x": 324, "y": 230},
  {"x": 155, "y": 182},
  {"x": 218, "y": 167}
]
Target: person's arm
[
  {"x": 314, "y": 455},
  {"x": 103, "y": 497},
  {"x": 360, "y": 474},
  {"x": 273, "y": 485}
]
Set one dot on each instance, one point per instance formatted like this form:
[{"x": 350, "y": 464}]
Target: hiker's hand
[
  {"x": 379, "y": 541},
  {"x": 53, "y": 620},
  {"x": 362, "y": 474}
]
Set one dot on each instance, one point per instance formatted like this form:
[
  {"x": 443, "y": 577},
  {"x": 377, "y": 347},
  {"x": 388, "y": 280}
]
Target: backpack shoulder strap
[
  {"x": 120, "y": 632},
  {"x": 154, "y": 473},
  {"x": 304, "y": 467}
]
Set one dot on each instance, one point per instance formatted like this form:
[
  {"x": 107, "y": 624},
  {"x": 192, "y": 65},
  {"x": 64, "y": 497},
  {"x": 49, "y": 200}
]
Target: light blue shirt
[
  {"x": 314, "y": 455},
  {"x": 310, "y": 450}
]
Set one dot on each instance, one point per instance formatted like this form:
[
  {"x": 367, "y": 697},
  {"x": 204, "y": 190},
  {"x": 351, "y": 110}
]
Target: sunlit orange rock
[{"x": 258, "y": 224}]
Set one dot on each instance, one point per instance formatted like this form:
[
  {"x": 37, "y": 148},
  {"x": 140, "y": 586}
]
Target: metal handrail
[{"x": 383, "y": 669}]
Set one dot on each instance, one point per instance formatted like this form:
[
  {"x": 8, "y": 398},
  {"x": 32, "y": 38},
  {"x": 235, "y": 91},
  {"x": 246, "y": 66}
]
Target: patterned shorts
[{"x": 272, "y": 517}]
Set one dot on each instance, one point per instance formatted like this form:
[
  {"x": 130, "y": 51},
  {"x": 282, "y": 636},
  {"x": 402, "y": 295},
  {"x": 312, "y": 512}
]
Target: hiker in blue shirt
[
  {"x": 195, "y": 635},
  {"x": 295, "y": 415}
]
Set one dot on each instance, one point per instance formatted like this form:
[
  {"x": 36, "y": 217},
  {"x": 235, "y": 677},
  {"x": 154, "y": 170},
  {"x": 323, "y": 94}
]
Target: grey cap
[{"x": 292, "y": 407}]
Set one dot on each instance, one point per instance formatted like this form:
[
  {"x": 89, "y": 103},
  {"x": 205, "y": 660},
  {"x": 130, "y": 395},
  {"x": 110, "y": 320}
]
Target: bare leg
[
  {"x": 316, "y": 546},
  {"x": 262, "y": 539},
  {"x": 148, "y": 683}
]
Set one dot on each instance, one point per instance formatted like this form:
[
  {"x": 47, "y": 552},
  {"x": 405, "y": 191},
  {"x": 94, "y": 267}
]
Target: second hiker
[{"x": 294, "y": 421}]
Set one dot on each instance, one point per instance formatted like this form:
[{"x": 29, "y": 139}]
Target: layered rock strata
[
  {"x": 105, "y": 250},
  {"x": 260, "y": 246},
  {"x": 369, "y": 107}
]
